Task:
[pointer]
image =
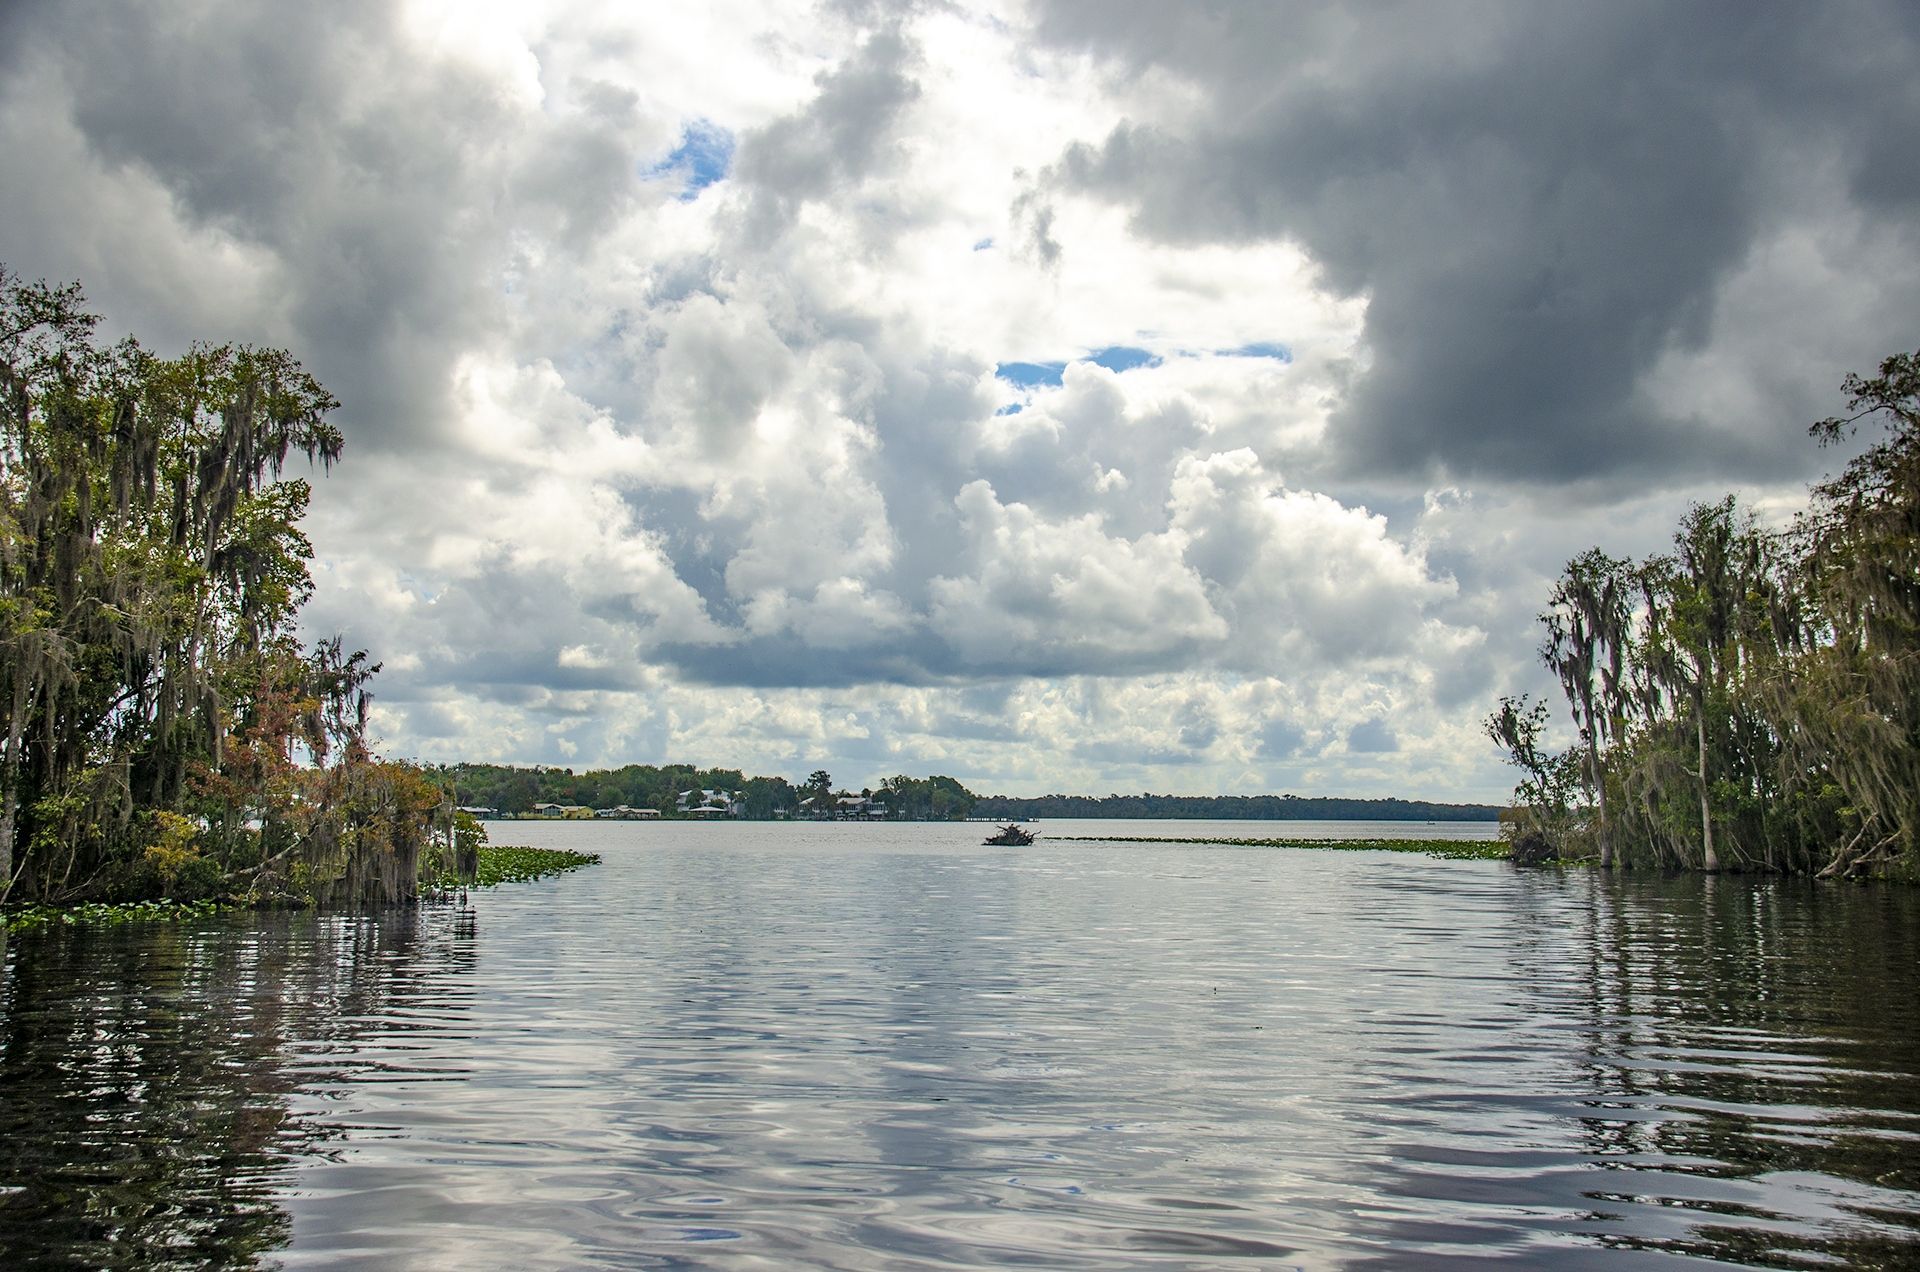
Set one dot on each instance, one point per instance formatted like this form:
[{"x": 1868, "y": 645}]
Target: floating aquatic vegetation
[
  {"x": 497, "y": 866},
  {"x": 34, "y": 917},
  {"x": 1451, "y": 849},
  {"x": 508, "y": 864}
]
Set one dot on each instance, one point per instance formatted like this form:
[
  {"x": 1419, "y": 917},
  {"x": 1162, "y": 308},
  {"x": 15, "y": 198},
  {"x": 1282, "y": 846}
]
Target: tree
[
  {"x": 765, "y": 796},
  {"x": 1545, "y": 796},
  {"x": 1859, "y": 698},
  {"x": 153, "y": 699},
  {"x": 1588, "y": 621},
  {"x": 934, "y": 798},
  {"x": 1753, "y": 698},
  {"x": 1691, "y": 626}
]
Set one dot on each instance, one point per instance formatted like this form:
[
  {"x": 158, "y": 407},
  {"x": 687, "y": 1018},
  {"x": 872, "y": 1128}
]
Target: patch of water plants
[
  {"x": 1450, "y": 849},
  {"x": 496, "y": 866},
  {"x": 31, "y": 918},
  {"x": 508, "y": 864}
]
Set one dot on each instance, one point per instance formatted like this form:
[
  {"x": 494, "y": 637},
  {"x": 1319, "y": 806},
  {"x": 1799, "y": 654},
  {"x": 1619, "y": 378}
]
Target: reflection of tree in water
[
  {"x": 1761, "y": 1033},
  {"x": 146, "y": 1070}
]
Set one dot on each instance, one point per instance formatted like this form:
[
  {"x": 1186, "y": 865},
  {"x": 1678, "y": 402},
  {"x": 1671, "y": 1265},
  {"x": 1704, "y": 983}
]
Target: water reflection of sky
[
  {"x": 150, "y": 1071},
  {"x": 747, "y": 1046}
]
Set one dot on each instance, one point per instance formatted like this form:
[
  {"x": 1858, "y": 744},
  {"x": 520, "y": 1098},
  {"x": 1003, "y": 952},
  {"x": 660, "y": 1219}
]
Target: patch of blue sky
[
  {"x": 1030, "y": 375},
  {"x": 1122, "y": 358},
  {"x": 703, "y": 157},
  {"x": 1260, "y": 349},
  {"x": 1012, "y": 408},
  {"x": 983, "y": 244}
]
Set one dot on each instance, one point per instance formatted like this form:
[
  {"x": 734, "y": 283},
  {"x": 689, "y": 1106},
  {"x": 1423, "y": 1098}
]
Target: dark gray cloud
[
  {"x": 842, "y": 137},
  {"x": 1540, "y": 201},
  {"x": 244, "y": 117},
  {"x": 1372, "y": 737},
  {"x": 378, "y": 184},
  {"x": 1281, "y": 738}
]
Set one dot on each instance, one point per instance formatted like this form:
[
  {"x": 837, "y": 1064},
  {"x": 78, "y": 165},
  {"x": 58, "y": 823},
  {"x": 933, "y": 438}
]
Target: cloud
[
  {"x": 1090, "y": 398},
  {"x": 1372, "y": 736},
  {"x": 1541, "y": 207},
  {"x": 839, "y": 139},
  {"x": 1050, "y": 597},
  {"x": 1305, "y": 579}
]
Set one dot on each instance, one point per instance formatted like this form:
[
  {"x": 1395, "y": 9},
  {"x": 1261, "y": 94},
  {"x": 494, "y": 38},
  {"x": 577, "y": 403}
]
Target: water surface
[{"x": 759, "y": 1046}]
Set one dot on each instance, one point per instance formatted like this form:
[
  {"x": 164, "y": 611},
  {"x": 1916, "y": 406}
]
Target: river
[{"x": 751, "y": 1046}]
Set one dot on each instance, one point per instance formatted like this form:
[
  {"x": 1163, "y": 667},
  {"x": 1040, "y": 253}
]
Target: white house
[{"x": 705, "y": 803}]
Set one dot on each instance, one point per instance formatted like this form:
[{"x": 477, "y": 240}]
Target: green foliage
[
  {"x": 162, "y": 733},
  {"x": 505, "y": 864},
  {"x": 1587, "y": 620},
  {"x": 1547, "y": 822},
  {"x": 32, "y": 918},
  {"x": 927, "y": 799},
  {"x": 768, "y": 797},
  {"x": 514, "y": 790},
  {"x": 1752, "y": 699}
]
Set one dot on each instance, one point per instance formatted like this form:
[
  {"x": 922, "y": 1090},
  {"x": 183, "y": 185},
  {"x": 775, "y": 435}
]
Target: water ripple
[{"x": 862, "y": 1047}]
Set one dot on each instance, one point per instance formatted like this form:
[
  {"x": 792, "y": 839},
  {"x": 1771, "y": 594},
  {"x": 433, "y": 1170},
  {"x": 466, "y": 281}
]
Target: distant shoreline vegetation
[
  {"x": 686, "y": 791},
  {"x": 1233, "y": 808}
]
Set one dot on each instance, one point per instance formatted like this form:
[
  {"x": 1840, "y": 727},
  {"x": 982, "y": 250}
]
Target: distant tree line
[
  {"x": 1232, "y": 808},
  {"x": 1751, "y": 699},
  {"x": 927, "y": 799},
  {"x": 162, "y": 729},
  {"x": 516, "y": 790}
]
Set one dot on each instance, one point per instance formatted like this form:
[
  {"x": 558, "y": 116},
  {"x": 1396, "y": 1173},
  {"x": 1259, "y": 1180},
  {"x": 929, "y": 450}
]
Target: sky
[{"x": 1063, "y": 396}]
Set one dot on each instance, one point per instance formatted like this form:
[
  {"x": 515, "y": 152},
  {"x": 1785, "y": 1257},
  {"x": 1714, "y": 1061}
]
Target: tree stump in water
[{"x": 1534, "y": 849}]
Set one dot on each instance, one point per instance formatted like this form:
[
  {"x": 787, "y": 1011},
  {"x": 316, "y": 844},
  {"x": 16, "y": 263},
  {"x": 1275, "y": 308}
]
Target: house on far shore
[
  {"x": 705, "y": 803},
  {"x": 859, "y": 808},
  {"x": 843, "y": 808},
  {"x": 476, "y": 810},
  {"x": 624, "y": 812},
  {"x": 549, "y": 810}
]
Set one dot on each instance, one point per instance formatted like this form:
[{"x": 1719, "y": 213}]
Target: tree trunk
[
  {"x": 1599, "y": 778},
  {"x": 1708, "y": 860},
  {"x": 12, "y": 803},
  {"x": 10, "y": 781}
]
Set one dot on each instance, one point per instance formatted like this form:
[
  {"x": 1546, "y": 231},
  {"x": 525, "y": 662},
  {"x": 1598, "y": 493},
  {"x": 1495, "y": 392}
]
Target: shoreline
[{"x": 498, "y": 865}]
